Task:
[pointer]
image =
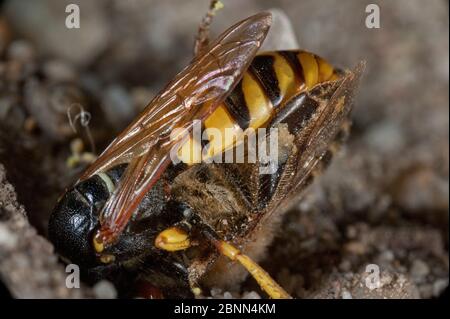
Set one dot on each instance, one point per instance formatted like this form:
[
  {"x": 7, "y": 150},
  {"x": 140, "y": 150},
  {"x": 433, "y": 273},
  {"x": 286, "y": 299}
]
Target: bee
[{"x": 136, "y": 216}]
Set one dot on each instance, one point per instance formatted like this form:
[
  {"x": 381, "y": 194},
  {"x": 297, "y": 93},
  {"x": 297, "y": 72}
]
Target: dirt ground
[{"x": 383, "y": 201}]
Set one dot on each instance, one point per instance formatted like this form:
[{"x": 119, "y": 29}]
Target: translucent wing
[
  {"x": 315, "y": 143},
  {"x": 192, "y": 95}
]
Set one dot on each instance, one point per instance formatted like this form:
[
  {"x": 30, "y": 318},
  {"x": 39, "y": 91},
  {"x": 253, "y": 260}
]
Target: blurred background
[{"x": 383, "y": 201}]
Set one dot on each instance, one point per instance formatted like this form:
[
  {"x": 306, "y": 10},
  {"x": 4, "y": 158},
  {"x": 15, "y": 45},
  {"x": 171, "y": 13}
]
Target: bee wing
[
  {"x": 192, "y": 95},
  {"x": 312, "y": 147}
]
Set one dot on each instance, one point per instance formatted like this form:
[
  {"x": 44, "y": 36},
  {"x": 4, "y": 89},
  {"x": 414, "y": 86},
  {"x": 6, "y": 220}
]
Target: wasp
[{"x": 136, "y": 216}]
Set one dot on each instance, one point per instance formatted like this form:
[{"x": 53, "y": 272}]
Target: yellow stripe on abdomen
[
  {"x": 258, "y": 104},
  {"x": 251, "y": 104},
  {"x": 287, "y": 81}
]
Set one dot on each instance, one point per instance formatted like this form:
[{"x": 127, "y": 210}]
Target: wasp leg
[
  {"x": 202, "y": 38},
  {"x": 177, "y": 238},
  {"x": 266, "y": 282}
]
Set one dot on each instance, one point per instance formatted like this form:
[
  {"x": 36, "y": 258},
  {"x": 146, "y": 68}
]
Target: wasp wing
[
  {"x": 313, "y": 144},
  {"x": 192, "y": 95}
]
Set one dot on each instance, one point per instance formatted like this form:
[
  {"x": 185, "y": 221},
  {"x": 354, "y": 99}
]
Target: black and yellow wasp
[{"x": 134, "y": 216}]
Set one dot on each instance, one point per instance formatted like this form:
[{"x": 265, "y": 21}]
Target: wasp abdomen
[{"x": 272, "y": 80}]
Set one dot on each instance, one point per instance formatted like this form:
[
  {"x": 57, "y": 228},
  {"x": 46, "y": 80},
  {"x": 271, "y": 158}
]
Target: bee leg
[{"x": 202, "y": 38}]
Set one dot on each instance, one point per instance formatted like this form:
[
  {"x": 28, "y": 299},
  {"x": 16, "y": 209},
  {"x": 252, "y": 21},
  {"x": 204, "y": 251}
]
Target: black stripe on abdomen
[
  {"x": 262, "y": 67},
  {"x": 237, "y": 107},
  {"x": 292, "y": 58}
]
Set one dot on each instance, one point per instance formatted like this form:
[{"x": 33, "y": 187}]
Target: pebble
[
  {"x": 346, "y": 294},
  {"x": 422, "y": 190},
  {"x": 59, "y": 71},
  {"x": 439, "y": 286},
  {"x": 419, "y": 269},
  {"x": 355, "y": 247},
  {"x": 104, "y": 290},
  {"x": 8, "y": 240},
  {"x": 21, "y": 50},
  {"x": 387, "y": 256},
  {"x": 385, "y": 137},
  {"x": 215, "y": 292},
  {"x": 227, "y": 295},
  {"x": 251, "y": 295}
]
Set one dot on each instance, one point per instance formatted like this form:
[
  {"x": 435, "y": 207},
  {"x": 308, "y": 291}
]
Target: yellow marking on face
[
  {"x": 259, "y": 105},
  {"x": 310, "y": 69},
  {"x": 172, "y": 239}
]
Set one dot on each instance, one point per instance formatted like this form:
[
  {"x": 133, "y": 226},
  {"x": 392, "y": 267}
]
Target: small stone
[
  {"x": 345, "y": 265},
  {"x": 387, "y": 256},
  {"x": 419, "y": 269},
  {"x": 8, "y": 239},
  {"x": 346, "y": 294},
  {"x": 356, "y": 248},
  {"x": 58, "y": 70},
  {"x": 439, "y": 286},
  {"x": 251, "y": 295},
  {"x": 227, "y": 295},
  {"x": 422, "y": 190},
  {"x": 385, "y": 137},
  {"x": 215, "y": 292},
  {"x": 105, "y": 290},
  {"x": 21, "y": 50}
]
